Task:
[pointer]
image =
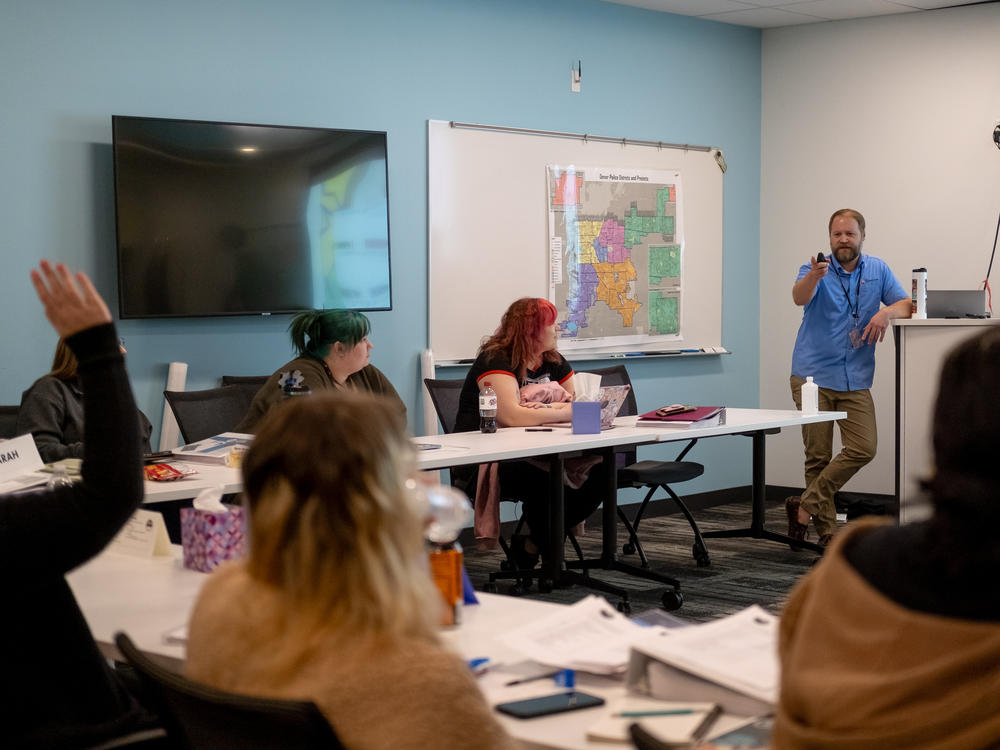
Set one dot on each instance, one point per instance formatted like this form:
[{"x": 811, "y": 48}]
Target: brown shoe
[
  {"x": 824, "y": 541},
  {"x": 797, "y": 531}
]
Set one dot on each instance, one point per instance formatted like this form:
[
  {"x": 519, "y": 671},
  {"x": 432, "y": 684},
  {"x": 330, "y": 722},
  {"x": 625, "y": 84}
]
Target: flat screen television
[{"x": 218, "y": 218}]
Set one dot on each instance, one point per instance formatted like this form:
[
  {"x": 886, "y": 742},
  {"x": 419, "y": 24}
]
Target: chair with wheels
[
  {"x": 445, "y": 395},
  {"x": 199, "y": 717},
  {"x": 652, "y": 475},
  {"x": 202, "y": 414},
  {"x": 8, "y": 421}
]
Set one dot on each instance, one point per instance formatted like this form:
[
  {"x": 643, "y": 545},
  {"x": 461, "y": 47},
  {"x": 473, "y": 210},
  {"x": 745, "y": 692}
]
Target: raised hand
[{"x": 71, "y": 306}]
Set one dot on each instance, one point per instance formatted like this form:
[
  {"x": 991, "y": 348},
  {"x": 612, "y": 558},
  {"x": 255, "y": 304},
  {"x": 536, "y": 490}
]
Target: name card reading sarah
[{"x": 18, "y": 457}]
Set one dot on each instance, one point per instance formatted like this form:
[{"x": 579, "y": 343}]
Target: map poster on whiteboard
[{"x": 615, "y": 247}]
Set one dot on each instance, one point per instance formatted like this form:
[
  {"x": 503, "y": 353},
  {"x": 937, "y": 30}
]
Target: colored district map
[{"x": 616, "y": 254}]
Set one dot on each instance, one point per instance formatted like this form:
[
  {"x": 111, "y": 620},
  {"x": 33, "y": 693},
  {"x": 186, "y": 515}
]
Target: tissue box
[
  {"x": 210, "y": 537},
  {"x": 586, "y": 417}
]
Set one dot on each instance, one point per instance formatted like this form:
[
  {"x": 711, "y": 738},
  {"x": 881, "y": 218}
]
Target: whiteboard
[{"x": 488, "y": 233}]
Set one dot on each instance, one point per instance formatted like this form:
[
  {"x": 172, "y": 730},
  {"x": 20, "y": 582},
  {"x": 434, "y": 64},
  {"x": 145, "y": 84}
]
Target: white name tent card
[
  {"x": 20, "y": 464},
  {"x": 143, "y": 535}
]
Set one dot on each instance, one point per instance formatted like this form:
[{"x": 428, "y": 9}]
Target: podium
[{"x": 921, "y": 348}]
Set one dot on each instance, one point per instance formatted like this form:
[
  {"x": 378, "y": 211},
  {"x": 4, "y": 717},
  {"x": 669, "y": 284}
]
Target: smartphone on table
[{"x": 549, "y": 704}]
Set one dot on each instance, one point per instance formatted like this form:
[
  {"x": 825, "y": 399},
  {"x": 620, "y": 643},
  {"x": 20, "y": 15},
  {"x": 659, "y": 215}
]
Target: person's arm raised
[
  {"x": 74, "y": 523},
  {"x": 69, "y": 308}
]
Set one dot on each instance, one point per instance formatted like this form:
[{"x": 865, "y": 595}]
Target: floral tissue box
[{"x": 209, "y": 537}]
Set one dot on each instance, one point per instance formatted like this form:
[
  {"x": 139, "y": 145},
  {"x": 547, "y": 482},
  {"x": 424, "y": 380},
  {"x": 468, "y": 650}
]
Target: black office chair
[
  {"x": 444, "y": 395},
  {"x": 202, "y": 414},
  {"x": 199, "y": 717},
  {"x": 248, "y": 384},
  {"x": 8, "y": 421},
  {"x": 257, "y": 380},
  {"x": 652, "y": 475}
]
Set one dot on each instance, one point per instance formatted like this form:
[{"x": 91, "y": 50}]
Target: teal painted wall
[{"x": 379, "y": 65}]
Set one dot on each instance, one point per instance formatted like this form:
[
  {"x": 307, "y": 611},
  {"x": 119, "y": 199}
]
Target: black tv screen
[{"x": 217, "y": 218}]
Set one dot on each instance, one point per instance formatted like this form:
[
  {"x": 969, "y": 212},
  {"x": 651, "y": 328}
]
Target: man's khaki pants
[{"x": 825, "y": 476}]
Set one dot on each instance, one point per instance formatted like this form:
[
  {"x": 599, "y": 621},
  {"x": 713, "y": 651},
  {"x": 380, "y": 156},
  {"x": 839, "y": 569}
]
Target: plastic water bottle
[
  {"x": 60, "y": 478},
  {"x": 448, "y": 512},
  {"x": 810, "y": 397},
  {"x": 487, "y": 409}
]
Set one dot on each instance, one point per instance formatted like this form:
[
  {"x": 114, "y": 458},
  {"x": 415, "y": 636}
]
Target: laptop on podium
[{"x": 951, "y": 303}]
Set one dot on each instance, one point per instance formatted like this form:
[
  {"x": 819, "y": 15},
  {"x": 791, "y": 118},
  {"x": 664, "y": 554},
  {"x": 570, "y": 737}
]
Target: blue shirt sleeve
[{"x": 892, "y": 290}]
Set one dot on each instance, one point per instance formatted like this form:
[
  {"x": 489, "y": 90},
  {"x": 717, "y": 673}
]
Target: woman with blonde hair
[{"x": 335, "y": 602}]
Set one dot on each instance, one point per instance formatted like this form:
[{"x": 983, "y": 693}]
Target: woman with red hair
[{"x": 522, "y": 351}]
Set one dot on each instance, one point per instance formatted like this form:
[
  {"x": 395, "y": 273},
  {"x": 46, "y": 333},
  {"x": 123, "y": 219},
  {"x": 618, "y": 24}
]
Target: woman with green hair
[{"x": 333, "y": 353}]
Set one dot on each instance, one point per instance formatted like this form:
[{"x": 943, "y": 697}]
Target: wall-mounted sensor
[{"x": 720, "y": 159}]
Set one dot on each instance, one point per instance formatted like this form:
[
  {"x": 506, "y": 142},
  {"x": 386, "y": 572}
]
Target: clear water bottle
[
  {"x": 448, "y": 511},
  {"x": 60, "y": 478},
  {"x": 487, "y": 409},
  {"x": 810, "y": 397}
]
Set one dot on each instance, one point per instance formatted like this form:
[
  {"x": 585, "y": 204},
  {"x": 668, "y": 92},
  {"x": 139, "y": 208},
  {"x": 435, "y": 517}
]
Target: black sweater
[{"x": 57, "y": 690}]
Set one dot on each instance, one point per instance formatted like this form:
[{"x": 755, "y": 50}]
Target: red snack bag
[{"x": 161, "y": 472}]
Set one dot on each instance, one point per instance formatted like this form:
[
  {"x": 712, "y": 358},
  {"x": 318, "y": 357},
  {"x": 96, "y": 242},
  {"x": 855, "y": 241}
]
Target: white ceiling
[{"x": 767, "y": 14}]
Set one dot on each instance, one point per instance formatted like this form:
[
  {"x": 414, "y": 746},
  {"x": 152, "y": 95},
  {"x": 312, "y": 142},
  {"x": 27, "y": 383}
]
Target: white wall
[{"x": 892, "y": 116}]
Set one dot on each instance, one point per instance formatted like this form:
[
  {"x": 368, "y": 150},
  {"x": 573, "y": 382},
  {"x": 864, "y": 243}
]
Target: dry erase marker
[{"x": 538, "y": 429}]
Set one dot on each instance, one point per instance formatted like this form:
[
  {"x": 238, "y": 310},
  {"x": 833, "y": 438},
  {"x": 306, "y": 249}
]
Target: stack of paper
[
  {"x": 590, "y": 635},
  {"x": 738, "y": 652}
]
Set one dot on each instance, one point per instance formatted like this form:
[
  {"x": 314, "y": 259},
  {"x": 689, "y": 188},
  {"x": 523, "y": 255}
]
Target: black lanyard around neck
[{"x": 847, "y": 294}]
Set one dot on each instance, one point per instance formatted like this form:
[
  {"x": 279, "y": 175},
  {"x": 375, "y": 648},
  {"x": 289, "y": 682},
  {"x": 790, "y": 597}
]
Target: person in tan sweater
[
  {"x": 893, "y": 640},
  {"x": 335, "y": 603}
]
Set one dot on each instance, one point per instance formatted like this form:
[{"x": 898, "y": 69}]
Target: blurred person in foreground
[
  {"x": 57, "y": 690},
  {"x": 334, "y": 353},
  {"x": 336, "y": 603},
  {"x": 893, "y": 640}
]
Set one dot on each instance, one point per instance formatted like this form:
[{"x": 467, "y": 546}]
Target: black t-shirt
[{"x": 498, "y": 362}]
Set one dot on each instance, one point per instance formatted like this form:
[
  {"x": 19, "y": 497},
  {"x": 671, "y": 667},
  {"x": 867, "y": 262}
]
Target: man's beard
[{"x": 852, "y": 253}]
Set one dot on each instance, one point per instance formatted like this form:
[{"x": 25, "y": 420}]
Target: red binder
[{"x": 697, "y": 414}]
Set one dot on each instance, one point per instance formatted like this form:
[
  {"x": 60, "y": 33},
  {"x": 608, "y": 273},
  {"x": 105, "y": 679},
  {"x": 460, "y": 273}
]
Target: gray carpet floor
[{"x": 742, "y": 571}]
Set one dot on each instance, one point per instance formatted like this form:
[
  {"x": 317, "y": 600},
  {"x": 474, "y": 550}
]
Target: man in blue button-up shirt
[{"x": 842, "y": 321}]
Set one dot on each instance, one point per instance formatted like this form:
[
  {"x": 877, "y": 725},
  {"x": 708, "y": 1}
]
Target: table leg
[
  {"x": 758, "y": 493},
  {"x": 557, "y": 516}
]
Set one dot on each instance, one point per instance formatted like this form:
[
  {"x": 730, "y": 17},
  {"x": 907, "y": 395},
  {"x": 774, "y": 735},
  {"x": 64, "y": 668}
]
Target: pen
[
  {"x": 702, "y": 729},
  {"x": 655, "y": 712},
  {"x": 538, "y": 429},
  {"x": 523, "y": 680}
]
